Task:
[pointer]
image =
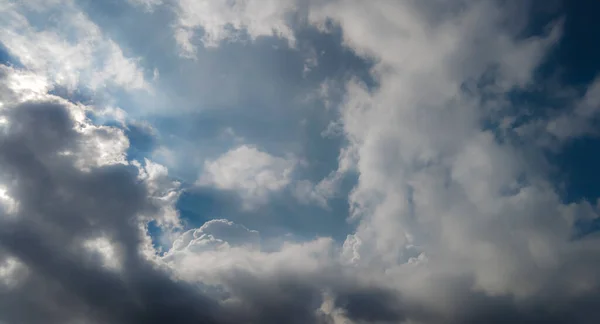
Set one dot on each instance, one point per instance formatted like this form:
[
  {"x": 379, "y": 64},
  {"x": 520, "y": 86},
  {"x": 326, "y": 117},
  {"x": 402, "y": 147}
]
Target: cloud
[
  {"x": 226, "y": 20},
  {"x": 64, "y": 212},
  {"x": 433, "y": 184},
  {"x": 163, "y": 190},
  {"x": 148, "y": 5},
  {"x": 415, "y": 127},
  {"x": 104, "y": 145},
  {"x": 579, "y": 121},
  {"x": 218, "y": 230},
  {"x": 259, "y": 286},
  {"x": 455, "y": 223},
  {"x": 71, "y": 53},
  {"x": 254, "y": 174}
]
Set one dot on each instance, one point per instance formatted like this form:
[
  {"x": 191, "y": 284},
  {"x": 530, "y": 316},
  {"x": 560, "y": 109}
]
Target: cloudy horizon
[{"x": 299, "y": 161}]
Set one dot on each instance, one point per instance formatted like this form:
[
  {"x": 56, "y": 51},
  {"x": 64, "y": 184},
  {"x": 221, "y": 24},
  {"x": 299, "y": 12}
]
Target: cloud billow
[{"x": 456, "y": 214}]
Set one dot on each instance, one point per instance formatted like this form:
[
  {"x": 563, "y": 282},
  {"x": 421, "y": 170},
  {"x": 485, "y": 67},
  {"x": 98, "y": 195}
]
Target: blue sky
[{"x": 299, "y": 161}]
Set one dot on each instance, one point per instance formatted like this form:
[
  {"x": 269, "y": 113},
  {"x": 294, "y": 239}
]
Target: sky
[{"x": 299, "y": 161}]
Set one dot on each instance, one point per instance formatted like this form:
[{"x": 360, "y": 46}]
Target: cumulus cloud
[
  {"x": 225, "y": 20},
  {"x": 262, "y": 287},
  {"x": 71, "y": 50},
  {"x": 433, "y": 183},
  {"x": 64, "y": 212},
  {"x": 454, "y": 223},
  {"x": 218, "y": 230},
  {"x": 254, "y": 174},
  {"x": 79, "y": 239}
]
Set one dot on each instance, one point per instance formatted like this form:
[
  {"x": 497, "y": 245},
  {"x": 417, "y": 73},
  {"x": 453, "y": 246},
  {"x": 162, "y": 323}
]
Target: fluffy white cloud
[
  {"x": 11, "y": 271},
  {"x": 219, "y": 248},
  {"x": 435, "y": 191},
  {"x": 257, "y": 285},
  {"x": 254, "y": 174},
  {"x": 71, "y": 51},
  {"x": 165, "y": 192},
  {"x": 216, "y": 235},
  {"x": 20, "y": 86},
  {"x": 223, "y": 20},
  {"x": 432, "y": 184}
]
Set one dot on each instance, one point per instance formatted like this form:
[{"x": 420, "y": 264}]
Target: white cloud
[
  {"x": 104, "y": 146},
  {"x": 307, "y": 192},
  {"x": 11, "y": 272},
  {"x": 71, "y": 53},
  {"x": 103, "y": 248},
  {"x": 8, "y": 203},
  {"x": 222, "y": 20},
  {"x": 165, "y": 192},
  {"x": 22, "y": 86},
  {"x": 217, "y": 234},
  {"x": 148, "y": 5},
  {"x": 254, "y": 174},
  {"x": 432, "y": 184},
  {"x": 213, "y": 252}
]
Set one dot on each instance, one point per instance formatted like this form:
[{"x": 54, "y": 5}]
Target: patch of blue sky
[
  {"x": 584, "y": 228},
  {"x": 576, "y": 65},
  {"x": 155, "y": 232},
  {"x": 142, "y": 141},
  {"x": 6, "y": 58},
  {"x": 563, "y": 77}
]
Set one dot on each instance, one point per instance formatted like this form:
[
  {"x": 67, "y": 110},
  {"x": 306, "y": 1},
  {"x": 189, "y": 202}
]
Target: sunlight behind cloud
[{"x": 301, "y": 162}]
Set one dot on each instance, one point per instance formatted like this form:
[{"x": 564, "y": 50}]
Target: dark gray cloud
[
  {"x": 372, "y": 305},
  {"x": 60, "y": 207}
]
